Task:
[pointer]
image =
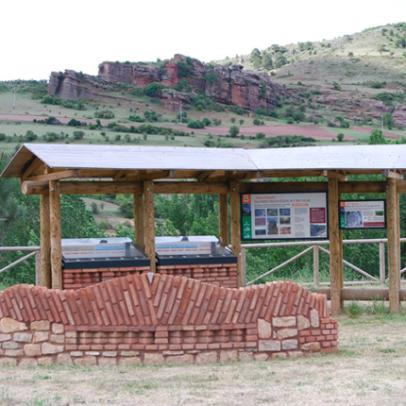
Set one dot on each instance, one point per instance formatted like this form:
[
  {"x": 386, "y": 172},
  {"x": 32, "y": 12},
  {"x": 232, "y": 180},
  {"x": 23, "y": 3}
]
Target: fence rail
[
  {"x": 317, "y": 246},
  {"x": 33, "y": 250}
]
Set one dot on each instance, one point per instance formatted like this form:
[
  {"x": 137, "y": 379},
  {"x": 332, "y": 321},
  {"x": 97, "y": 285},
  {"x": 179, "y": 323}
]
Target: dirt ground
[{"x": 370, "y": 368}]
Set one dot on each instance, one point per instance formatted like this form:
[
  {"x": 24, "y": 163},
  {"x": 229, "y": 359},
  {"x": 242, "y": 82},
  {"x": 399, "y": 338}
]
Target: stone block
[
  {"x": 28, "y": 362},
  {"x": 179, "y": 359},
  {"x": 5, "y": 337},
  {"x": 63, "y": 359},
  {"x": 295, "y": 354},
  {"x": 58, "y": 328},
  {"x": 279, "y": 355},
  {"x": 312, "y": 347},
  {"x": 314, "y": 318},
  {"x": 264, "y": 329},
  {"x": 261, "y": 357},
  {"x": 14, "y": 353},
  {"x": 286, "y": 333},
  {"x": 57, "y": 338},
  {"x": 40, "y": 336},
  {"x": 32, "y": 350},
  {"x": 245, "y": 356},
  {"x": 40, "y": 325},
  {"x": 22, "y": 337},
  {"x": 302, "y": 322},
  {"x": 94, "y": 353},
  {"x": 129, "y": 361},
  {"x": 45, "y": 361},
  {"x": 152, "y": 358},
  {"x": 269, "y": 345},
  {"x": 88, "y": 360},
  {"x": 48, "y": 348},
  {"x": 76, "y": 353},
  {"x": 129, "y": 353},
  {"x": 206, "y": 357},
  {"x": 228, "y": 355},
  {"x": 8, "y": 325},
  {"x": 11, "y": 362},
  {"x": 10, "y": 345},
  {"x": 106, "y": 361},
  {"x": 285, "y": 321},
  {"x": 109, "y": 354},
  {"x": 289, "y": 344}
]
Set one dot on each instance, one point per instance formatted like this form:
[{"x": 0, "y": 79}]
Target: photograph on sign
[
  {"x": 362, "y": 214},
  {"x": 284, "y": 216}
]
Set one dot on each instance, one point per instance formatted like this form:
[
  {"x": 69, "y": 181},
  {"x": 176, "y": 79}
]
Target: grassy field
[{"x": 368, "y": 369}]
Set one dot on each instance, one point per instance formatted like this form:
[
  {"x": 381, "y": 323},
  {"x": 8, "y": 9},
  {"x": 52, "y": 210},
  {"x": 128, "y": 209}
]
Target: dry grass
[{"x": 369, "y": 369}]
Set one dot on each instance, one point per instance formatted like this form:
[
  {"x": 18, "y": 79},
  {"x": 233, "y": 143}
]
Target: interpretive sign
[
  {"x": 362, "y": 214},
  {"x": 284, "y": 216}
]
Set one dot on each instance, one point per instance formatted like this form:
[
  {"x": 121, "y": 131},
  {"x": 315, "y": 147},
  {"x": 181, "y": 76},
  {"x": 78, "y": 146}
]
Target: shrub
[
  {"x": 30, "y": 136},
  {"x": 340, "y": 137},
  {"x": 185, "y": 67},
  {"x": 51, "y": 136},
  {"x": 78, "y": 135},
  {"x": 136, "y": 118},
  {"x": 387, "y": 120},
  {"x": 377, "y": 137},
  {"x": 282, "y": 141},
  {"x": 74, "y": 123},
  {"x": 151, "y": 116},
  {"x": 2, "y": 137},
  {"x": 234, "y": 131},
  {"x": 195, "y": 124},
  {"x": 153, "y": 89},
  {"x": 206, "y": 121},
  {"x": 259, "y": 136},
  {"x": 257, "y": 121},
  {"x": 107, "y": 114}
]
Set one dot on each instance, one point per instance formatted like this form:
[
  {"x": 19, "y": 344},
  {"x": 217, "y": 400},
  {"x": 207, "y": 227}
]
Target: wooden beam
[
  {"x": 149, "y": 223},
  {"x": 45, "y": 243},
  {"x": 35, "y": 166},
  {"x": 223, "y": 219},
  {"x": 285, "y": 187},
  {"x": 69, "y": 173},
  {"x": 393, "y": 221},
  {"x": 368, "y": 294},
  {"x": 339, "y": 175},
  {"x": 82, "y": 187},
  {"x": 190, "y": 187},
  {"x": 139, "y": 220},
  {"x": 336, "y": 265},
  {"x": 236, "y": 228},
  {"x": 393, "y": 174},
  {"x": 55, "y": 234}
]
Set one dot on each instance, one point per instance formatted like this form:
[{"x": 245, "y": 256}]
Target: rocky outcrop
[{"x": 224, "y": 84}]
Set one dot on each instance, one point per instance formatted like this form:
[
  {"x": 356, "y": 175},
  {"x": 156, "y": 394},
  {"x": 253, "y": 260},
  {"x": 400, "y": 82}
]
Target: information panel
[
  {"x": 362, "y": 214},
  {"x": 283, "y": 216}
]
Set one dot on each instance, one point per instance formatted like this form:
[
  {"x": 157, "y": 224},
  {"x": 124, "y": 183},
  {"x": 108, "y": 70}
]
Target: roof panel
[{"x": 120, "y": 157}]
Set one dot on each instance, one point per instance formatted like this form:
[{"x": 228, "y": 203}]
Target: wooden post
[
  {"x": 392, "y": 209},
  {"x": 149, "y": 223},
  {"x": 382, "y": 271},
  {"x": 45, "y": 243},
  {"x": 223, "y": 219},
  {"x": 316, "y": 266},
  {"x": 336, "y": 264},
  {"x": 236, "y": 227},
  {"x": 139, "y": 220},
  {"x": 55, "y": 234}
]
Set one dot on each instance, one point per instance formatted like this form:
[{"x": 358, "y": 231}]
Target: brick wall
[
  {"x": 218, "y": 274},
  {"x": 80, "y": 278},
  {"x": 152, "y": 319}
]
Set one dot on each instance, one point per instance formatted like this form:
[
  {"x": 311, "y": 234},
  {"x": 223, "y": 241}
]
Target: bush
[
  {"x": 195, "y": 124},
  {"x": 257, "y": 121},
  {"x": 78, "y": 135},
  {"x": 153, "y": 89},
  {"x": 107, "y": 114},
  {"x": 340, "y": 137},
  {"x": 234, "y": 131},
  {"x": 136, "y": 118},
  {"x": 51, "y": 136},
  {"x": 30, "y": 136},
  {"x": 2, "y": 137},
  {"x": 282, "y": 141},
  {"x": 69, "y": 104},
  {"x": 259, "y": 136},
  {"x": 377, "y": 137},
  {"x": 151, "y": 116},
  {"x": 206, "y": 121},
  {"x": 74, "y": 123}
]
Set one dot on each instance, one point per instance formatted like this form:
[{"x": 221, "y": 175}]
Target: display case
[
  {"x": 197, "y": 257},
  {"x": 86, "y": 261}
]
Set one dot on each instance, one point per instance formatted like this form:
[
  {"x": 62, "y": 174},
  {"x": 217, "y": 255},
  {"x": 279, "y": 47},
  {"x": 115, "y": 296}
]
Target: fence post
[
  {"x": 243, "y": 266},
  {"x": 316, "y": 266},
  {"x": 382, "y": 263}
]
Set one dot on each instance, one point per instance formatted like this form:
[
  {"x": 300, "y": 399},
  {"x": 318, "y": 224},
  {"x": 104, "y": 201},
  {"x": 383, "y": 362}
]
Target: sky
[{"x": 40, "y": 36}]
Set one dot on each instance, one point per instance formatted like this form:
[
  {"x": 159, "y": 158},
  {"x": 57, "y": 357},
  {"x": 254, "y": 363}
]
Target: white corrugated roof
[{"x": 356, "y": 157}]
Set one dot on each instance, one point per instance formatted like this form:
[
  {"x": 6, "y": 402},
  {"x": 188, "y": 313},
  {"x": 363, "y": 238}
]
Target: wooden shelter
[{"x": 50, "y": 170}]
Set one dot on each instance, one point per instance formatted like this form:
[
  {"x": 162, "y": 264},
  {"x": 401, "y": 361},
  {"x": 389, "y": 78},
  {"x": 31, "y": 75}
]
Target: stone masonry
[{"x": 156, "y": 319}]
